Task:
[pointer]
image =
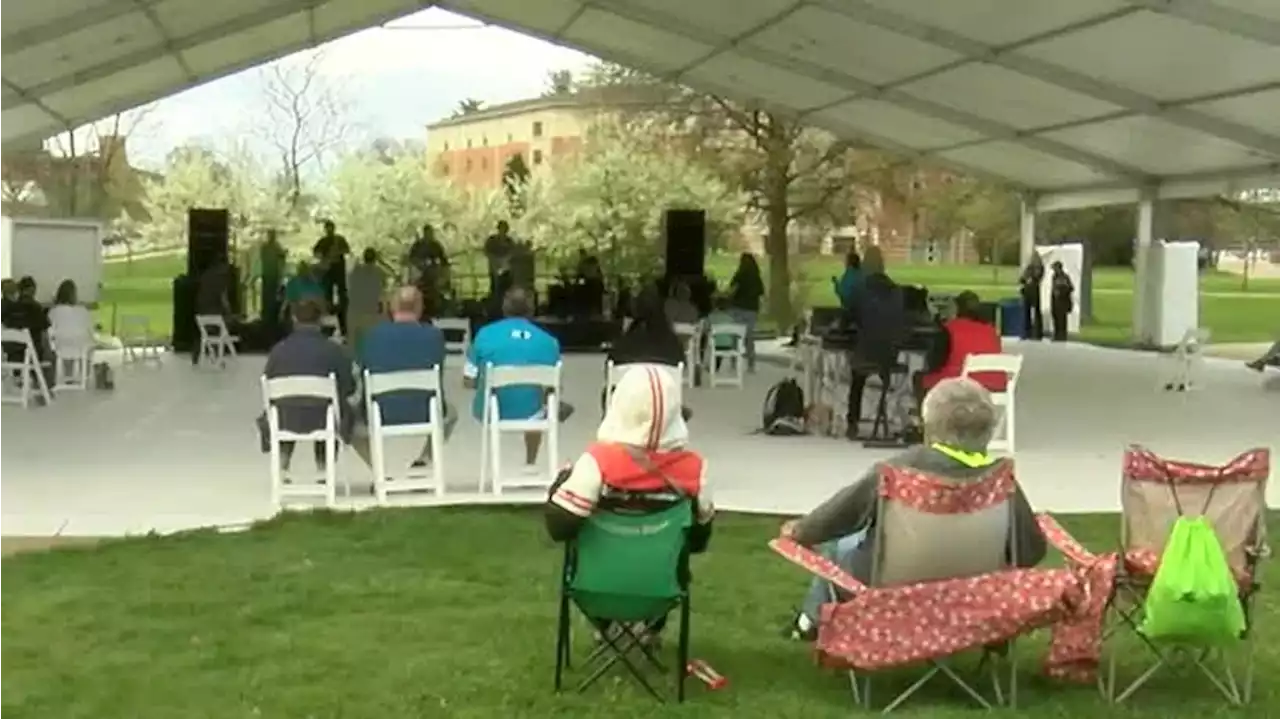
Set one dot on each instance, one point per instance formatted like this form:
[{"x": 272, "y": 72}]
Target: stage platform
[{"x": 174, "y": 447}]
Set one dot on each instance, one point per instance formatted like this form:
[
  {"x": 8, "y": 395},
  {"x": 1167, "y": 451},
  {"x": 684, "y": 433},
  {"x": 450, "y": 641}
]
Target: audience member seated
[
  {"x": 639, "y": 463},
  {"x": 71, "y": 325},
  {"x": 650, "y": 339},
  {"x": 848, "y": 284},
  {"x": 965, "y": 334},
  {"x": 306, "y": 352},
  {"x": 959, "y": 421},
  {"x": 879, "y": 314},
  {"x": 514, "y": 341},
  {"x": 679, "y": 306},
  {"x": 1269, "y": 358},
  {"x": 365, "y": 284},
  {"x": 25, "y": 312},
  {"x": 722, "y": 315},
  {"x": 303, "y": 284},
  {"x": 400, "y": 344}
]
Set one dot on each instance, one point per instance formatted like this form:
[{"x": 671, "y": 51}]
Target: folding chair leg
[
  {"x": 682, "y": 651},
  {"x": 562, "y": 639}
]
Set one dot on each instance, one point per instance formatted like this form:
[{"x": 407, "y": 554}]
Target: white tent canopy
[{"x": 1080, "y": 102}]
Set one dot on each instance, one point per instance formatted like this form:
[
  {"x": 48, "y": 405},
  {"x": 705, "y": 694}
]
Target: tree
[
  {"x": 515, "y": 177},
  {"x": 792, "y": 174},
  {"x": 383, "y": 203},
  {"x": 468, "y": 106},
  {"x": 85, "y": 172},
  {"x": 559, "y": 83},
  {"x": 305, "y": 120}
]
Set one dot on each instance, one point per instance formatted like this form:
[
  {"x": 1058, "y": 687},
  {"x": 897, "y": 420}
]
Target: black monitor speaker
[
  {"x": 208, "y": 239},
  {"x": 686, "y": 233}
]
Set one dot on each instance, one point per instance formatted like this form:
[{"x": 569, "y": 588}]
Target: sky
[{"x": 395, "y": 79}]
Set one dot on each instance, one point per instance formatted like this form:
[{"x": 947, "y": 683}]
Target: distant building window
[
  {"x": 485, "y": 141},
  {"x": 468, "y": 164},
  {"x": 468, "y": 143},
  {"x": 537, "y": 157},
  {"x": 537, "y": 129},
  {"x": 484, "y": 163},
  {"x": 446, "y": 146},
  {"x": 444, "y": 170},
  {"x": 509, "y": 138}
]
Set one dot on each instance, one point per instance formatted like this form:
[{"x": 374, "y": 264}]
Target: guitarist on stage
[{"x": 331, "y": 252}]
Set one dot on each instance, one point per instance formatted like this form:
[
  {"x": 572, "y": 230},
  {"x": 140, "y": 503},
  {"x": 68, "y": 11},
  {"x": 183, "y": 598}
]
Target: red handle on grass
[{"x": 703, "y": 671}]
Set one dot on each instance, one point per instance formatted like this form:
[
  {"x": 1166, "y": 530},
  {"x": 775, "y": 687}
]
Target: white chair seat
[
  {"x": 546, "y": 378},
  {"x": 287, "y": 483},
  {"x": 407, "y": 479},
  {"x": 27, "y": 373},
  {"x": 1010, "y": 366}
]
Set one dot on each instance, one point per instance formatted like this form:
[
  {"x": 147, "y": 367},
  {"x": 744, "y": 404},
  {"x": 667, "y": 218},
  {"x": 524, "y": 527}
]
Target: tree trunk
[{"x": 776, "y": 190}]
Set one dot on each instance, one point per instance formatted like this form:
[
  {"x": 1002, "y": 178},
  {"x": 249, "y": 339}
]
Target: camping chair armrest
[
  {"x": 1061, "y": 540},
  {"x": 816, "y": 564}
]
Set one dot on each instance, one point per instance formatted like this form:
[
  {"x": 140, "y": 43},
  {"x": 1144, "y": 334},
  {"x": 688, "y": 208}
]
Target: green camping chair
[{"x": 625, "y": 573}]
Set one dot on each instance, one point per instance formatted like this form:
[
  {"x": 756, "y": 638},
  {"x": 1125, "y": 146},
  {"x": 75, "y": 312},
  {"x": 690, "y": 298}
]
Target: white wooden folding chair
[
  {"x": 613, "y": 374},
  {"x": 1011, "y": 367},
  {"x": 690, "y": 334},
  {"x": 216, "y": 341},
  {"x": 453, "y": 327},
  {"x": 410, "y": 480},
  {"x": 136, "y": 338},
  {"x": 1184, "y": 368},
  {"x": 732, "y": 359},
  {"x": 72, "y": 361},
  {"x": 27, "y": 372},
  {"x": 282, "y": 486},
  {"x": 806, "y": 357},
  {"x": 543, "y": 377}
]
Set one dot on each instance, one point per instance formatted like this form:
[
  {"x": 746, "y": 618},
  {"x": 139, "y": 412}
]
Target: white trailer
[{"x": 51, "y": 251}]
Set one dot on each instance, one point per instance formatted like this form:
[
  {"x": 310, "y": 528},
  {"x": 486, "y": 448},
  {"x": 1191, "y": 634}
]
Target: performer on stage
[
  {"x": 271, "y": 261},
  {"x": 429, "y": 269},
  {"x": 499, "y": 248},
  {"x": 330, "y": 253}
]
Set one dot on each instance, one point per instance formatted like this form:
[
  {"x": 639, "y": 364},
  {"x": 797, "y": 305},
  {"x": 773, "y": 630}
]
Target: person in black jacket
[
  {"x": 1029, "y": 288},
  {"x": 745, "y": 291},
  {"x": 650, "y": 339}
]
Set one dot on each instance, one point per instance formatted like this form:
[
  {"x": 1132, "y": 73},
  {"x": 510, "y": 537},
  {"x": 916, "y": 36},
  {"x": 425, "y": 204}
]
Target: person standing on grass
[
  {"x": 745, "y": 290},
  {"x": 514, "y": 341},
  {"x": 1029, "y": 288},
  {"x": 1061, "y": 291}
]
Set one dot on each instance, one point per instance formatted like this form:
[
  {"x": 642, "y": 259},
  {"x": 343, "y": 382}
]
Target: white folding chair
[
  {"x": 1011, "y": 367},
  {"x": 690, "y": 333},
  {"x": 325, "y": 388},
  {"x": 452, "y": 327},
  {"x": 613, "y": 374},
  {"x": 543, "y": 377},
  {"x": 138, "y": 342},
  {"x": 27, "y": 372},
  {"x": 734, "y": 355},
  {"x": 1185, "y": 366},
  {"x": 806, "y": 358},
  {"x": 411, "y": 480},
  {"x": 216, "y": 341},
  {"x": 72, "y": 361}
]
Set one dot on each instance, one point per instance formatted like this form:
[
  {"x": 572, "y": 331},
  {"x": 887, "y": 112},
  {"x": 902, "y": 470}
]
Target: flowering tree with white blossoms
[{"x": 384, "y": 204}]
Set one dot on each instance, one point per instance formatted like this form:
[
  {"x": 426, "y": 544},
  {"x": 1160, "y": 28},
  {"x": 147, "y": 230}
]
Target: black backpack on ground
[{"x": 784, "y": 410}]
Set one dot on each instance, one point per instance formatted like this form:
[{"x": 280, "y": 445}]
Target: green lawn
[
  {"x": 144, "y": 287},
  {"x": 440, "y": 613}
]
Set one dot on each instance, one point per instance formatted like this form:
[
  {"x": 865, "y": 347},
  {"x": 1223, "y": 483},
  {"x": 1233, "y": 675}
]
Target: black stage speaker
[
  {"x": 184, "y": 314},
  {"x": 686, "y": 232},
  {"x": 208, "y": 237}
]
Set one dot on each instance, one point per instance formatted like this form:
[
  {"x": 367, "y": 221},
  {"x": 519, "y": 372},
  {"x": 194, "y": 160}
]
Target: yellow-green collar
[{"x": 968, "y": 459}]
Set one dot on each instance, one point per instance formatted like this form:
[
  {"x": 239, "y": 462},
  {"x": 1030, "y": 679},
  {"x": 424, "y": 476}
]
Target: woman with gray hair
[{"x": 959, "y": 422}]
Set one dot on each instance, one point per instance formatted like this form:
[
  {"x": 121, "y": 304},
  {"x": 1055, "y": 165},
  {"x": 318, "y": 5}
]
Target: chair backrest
[
  {"x": 1154, "y": 492},
  {"x": 1008, "y": 365},
  {"x": 425, "y": 380},
  {"x": 928, "y": 528},
  {"x": 546, "y": 376},
  {"x": 300, "y": 386},
  {"x": 685, "y": 330},
  {"x": 211, "y": 322},
  {"x": 16, "y": 336},
  {"x": 627, "y": 566}
]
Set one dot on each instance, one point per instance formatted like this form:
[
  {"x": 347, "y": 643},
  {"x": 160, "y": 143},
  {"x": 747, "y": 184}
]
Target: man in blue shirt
[
  {"x": 514, "y": 341},
  {"x": 401, "y": 344}
]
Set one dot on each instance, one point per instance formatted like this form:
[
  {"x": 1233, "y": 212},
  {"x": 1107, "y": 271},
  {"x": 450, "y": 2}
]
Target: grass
[
  {"x": 144, "y": 287},
  {"x": 440, "y": 613}
]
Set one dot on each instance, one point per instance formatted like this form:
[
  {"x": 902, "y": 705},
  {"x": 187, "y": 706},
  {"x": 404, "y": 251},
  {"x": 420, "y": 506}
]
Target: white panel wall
[
  {"x": 1175, "y": 279},
  {"x": 1072, "y": 258}
]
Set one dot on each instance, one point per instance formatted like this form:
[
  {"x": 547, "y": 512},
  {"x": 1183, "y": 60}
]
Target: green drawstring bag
[{"x": 1193, "y": 598}]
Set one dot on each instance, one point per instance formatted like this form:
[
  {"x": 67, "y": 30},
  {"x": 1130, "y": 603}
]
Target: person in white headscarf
[{"x": 640, "y": 461}]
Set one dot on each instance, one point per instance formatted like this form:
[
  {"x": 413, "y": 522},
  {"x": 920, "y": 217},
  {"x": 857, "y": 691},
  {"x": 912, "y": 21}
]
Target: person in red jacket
[{"x": 966, "y": 334}]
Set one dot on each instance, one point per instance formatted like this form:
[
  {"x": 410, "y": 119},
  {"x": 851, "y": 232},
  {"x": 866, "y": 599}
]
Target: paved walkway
[{"x": 174, "y": 447}]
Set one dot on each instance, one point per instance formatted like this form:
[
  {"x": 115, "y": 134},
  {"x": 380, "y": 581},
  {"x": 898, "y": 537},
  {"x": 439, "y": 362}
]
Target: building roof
[{"x": 1081, "y": 102}]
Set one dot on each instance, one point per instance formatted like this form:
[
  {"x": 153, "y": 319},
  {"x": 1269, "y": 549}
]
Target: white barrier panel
[{"x": 1174, "y": 286}]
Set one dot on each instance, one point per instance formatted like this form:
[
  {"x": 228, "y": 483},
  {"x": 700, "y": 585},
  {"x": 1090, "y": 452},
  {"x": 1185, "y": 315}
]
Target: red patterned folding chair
[
  {"x": 941, "y": 585},
  {"x": 1154, "y": 492}
]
